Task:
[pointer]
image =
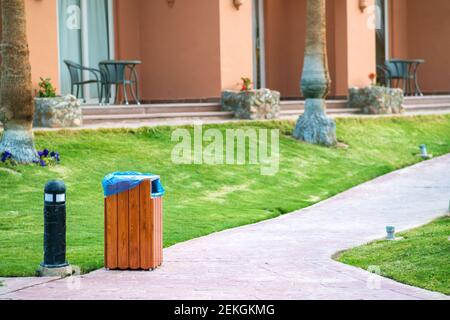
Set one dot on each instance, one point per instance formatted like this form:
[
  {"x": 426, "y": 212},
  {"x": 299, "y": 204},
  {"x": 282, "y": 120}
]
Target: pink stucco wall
[
  {"x": 361, "y": 44},
  {"x": 236, "y": 44},
  {"x": 284, "y": 42},
  {"x": 193, "y": 50},
  {"x": 199, "y": 47},
  {"x": 351, "y": 45},
  {"x": 179, "y": 47},
  {"x": 42, "y": 33},
  {"x": 419, "y": 30}
]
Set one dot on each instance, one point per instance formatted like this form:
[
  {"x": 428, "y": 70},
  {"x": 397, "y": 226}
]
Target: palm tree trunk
[
  {"x": 314, "y": 126},
  {"x": 16, "y": 100}
]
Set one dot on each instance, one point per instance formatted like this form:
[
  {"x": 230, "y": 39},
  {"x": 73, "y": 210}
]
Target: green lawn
[
  {"x": 422, "y": 259},
  {"x": 200, "y": 199}
]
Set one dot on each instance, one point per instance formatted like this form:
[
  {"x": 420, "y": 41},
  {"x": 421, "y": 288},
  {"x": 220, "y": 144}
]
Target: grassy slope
[
  {"x": 421, "y": 260},
  {"x": 200, "y": 199}
]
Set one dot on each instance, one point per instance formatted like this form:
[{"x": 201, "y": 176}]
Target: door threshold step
[
  {"x": 157, "y": 115},
  {"x": 329, "y": 111},
  {"x": 430, "y": 107},
  {"x": 149, "y": 109}
]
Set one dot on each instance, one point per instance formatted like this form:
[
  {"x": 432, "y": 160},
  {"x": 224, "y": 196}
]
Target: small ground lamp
[
  {"x": 424, "y": 152},
  {"x": 390, "y": 230}
]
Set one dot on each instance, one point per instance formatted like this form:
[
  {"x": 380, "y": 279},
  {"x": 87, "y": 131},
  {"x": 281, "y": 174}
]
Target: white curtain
[
  {"x": 98, "y": 35},
  {"x": 69, "y": 38},
  {"x": 83, "y": 37}
]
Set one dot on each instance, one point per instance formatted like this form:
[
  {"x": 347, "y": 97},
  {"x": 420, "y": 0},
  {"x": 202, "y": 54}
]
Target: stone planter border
[
  {"x": 377, "y": 100},
  {"x": 58, "y": 112},
  {"x": 261, "y": 104}
]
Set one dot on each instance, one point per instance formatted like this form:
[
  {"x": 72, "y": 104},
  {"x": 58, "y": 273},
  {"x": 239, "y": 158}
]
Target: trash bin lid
[{"x": 119, "y": 182}]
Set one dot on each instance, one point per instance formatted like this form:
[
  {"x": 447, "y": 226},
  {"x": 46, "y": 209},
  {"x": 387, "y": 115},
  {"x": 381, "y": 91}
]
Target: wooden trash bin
[{"x": 134, "y": 229}]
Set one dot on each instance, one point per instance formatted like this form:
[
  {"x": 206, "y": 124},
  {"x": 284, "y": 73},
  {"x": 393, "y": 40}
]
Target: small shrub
[
  {"x": 46, "y": 89},
  {"x": 246, "y": 84}
]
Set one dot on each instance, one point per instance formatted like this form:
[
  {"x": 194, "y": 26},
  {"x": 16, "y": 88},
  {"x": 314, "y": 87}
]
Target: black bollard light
[{"x": 55, "y": 263}]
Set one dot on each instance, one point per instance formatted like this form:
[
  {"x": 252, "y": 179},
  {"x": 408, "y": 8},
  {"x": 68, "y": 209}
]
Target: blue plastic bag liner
[{"x": 119, "y": 182}]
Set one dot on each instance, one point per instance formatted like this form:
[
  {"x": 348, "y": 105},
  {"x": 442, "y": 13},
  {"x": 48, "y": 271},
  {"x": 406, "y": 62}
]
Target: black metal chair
[
  {"x": 384, "y": 76},
  {"x": 404, "y": 73},
  {"x": 76, "y": 78}
]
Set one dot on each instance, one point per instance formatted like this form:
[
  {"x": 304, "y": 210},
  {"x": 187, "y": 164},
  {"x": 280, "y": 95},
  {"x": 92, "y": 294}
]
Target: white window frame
[
  {"x": 262, "y": 47},
  {"x": 387, "y": 26}
]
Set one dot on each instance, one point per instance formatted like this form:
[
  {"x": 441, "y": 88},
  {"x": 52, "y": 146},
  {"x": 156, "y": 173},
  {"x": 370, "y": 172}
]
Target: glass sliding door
[{"x": 85, "y": 37}]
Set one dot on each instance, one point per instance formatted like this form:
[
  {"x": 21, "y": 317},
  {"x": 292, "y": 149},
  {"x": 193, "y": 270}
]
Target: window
[{"x": 85, "y": 37}]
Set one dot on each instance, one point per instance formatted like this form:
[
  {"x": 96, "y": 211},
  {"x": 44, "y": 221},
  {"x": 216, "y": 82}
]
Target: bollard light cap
[{"x": 55, "y": 187}]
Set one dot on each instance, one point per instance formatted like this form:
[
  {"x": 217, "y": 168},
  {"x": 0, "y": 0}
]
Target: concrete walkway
[{"x": 285, "y": 258}]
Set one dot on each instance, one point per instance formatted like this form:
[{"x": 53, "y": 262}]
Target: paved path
[{"x": 285, "y": 258}]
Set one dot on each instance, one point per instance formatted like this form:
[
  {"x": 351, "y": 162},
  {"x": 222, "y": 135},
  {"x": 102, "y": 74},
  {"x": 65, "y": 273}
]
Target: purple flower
[
  {"x": 46, "y": 154},
  {"x": 55, "y": 155},
  {"x": 5, "y": 156}
]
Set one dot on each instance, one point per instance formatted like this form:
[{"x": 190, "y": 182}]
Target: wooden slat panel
[
  {"x": 154, "y": 243},
  {"x": 111, "y": 232},
  {"x": 122, "y": 220},
  {"x": 158, "y": 234},
  {"x": 158, "y": 231},
  {"x": 145, "y": 225},
  {"x": 133, "y": 223},
  {"x": 105, "y": 245},
  {"x": 156, "y": 219},
  {"x": 162, "y": 229}
]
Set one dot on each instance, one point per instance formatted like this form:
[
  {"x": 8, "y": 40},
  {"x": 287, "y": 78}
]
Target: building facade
[{"x": 191, "y": 50}]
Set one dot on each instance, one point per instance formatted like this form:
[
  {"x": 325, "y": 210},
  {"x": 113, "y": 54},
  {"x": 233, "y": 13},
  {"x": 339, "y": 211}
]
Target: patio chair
[
  {"x": 393, "y": 71},
  {"x": 404, "y": 72},
  {"x": 398, "y": 71},
  {"x": 76, "y": 79},
  {"x": 384, "y": 75}
]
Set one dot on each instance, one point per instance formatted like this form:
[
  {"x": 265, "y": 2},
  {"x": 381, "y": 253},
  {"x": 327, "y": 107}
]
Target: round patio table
[
  {"x": 406, "y": 70},
  {"x": 120, "y": 73}
]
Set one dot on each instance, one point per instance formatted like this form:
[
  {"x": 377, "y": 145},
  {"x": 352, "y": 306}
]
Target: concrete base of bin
[{"x": 54, "y": 272}]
